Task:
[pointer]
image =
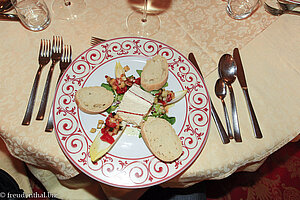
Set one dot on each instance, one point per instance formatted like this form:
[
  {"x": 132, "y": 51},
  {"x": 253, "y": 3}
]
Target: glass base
[
  {"x": 139, "y": 27},
  {"x": 241, "y": 9},
  {"x": 71, "y": 11}
]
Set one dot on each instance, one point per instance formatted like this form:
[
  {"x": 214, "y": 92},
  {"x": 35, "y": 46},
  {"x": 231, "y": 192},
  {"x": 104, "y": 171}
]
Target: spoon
[
  {"x": 221, "y": 91},
  {"x": 6, "y": 5},
  {"x": 228, "y": 71}
]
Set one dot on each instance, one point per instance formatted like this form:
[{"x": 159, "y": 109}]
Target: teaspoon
[
  {"x": 221, "y": 91},
  {"x": 228, "y": 71}
]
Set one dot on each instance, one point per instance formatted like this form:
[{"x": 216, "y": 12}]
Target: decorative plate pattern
[{"x": 129, "y": 164}]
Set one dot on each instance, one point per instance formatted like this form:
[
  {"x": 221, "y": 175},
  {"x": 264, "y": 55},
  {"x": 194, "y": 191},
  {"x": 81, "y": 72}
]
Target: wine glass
[
  {"x": 143, "y": 23},
  {"x": 68, "y": 9}
]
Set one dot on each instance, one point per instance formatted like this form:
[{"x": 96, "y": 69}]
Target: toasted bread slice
[
  {"x": 155, "y": 73},
  {"x": 161, "y": 139},
  {"x": 94, "y": 100}
]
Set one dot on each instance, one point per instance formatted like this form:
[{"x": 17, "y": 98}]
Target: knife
[
  {"x": 220, "y": 127},
  {"x": 243, "y": 83}
]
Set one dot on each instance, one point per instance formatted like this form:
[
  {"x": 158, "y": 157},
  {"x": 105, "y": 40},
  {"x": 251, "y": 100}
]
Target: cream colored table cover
[{"x": 269, "y": 45}]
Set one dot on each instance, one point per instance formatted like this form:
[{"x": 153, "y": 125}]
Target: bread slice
[
  {"x": 155, "y": 73},
  {"x": 161, "y": 139},
  {"x": 94, "y": 99}
]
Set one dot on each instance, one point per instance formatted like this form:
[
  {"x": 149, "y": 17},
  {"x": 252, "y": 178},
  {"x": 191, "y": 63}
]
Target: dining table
[{"x": 269, "y": 48}]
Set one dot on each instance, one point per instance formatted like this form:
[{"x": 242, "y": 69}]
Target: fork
[
  {"x": 287, "y": 6},
  {"x": 44, "y": 59},
  {"x": 278, "y": 12},
  {"x": 65, "y": 61},
  {"x": 57, "y": 46},
  {"x": 95, "y": 41}
]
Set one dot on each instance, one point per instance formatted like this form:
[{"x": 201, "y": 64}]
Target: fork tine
[
  {"x": 49, "y": 48},
  {"x": 54, "y": 43},
  {"x": 42, "y": 47},
  {"x": 61, "y": 44},
  {"x": 57, "y": 46},
  {"x": 70, "y": 54},
  {"x": 95, "y": 40}
]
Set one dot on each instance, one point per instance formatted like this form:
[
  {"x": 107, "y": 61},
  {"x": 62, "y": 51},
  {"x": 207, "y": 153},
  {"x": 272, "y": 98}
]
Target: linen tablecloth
[{"x": 268, "y": 44}]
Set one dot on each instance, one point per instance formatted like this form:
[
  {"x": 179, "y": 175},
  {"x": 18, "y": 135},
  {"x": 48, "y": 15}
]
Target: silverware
[
  {"x": 57, "y": 46},
  {"x": 95, "y": 41},
  {"x": 243, "y": 83},
  {"x": 277, "y": 12},
  {"x": 228, "y": 70},
  {"x": 65, "y": 61},
  {"x": 215, "y": 116},
  {"x": 6, "y": 5},
  {"x": 9, "y": 17},
  {"x": 44, "y": 58},
  {"x": 221, "y": 91},
  {"x": 287, "y": 6}
]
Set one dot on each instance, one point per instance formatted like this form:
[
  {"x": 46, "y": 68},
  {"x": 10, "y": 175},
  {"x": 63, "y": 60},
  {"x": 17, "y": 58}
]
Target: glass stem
[{"x": 144, "y": 19}]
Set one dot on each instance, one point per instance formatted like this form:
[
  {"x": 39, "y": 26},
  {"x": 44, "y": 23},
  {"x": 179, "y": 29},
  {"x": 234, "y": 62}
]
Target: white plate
[{"x": 130, "y": 164}]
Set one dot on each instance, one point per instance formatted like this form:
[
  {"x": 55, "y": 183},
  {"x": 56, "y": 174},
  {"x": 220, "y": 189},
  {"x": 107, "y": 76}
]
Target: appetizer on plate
[{"x": 142, "y": 102}]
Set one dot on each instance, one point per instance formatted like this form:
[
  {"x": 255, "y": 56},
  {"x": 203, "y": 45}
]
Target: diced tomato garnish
[
  {"x": 110, "y": 124},
  {"x": 169, "y": 97},
  {"x": 162, "y": 102},
  {"x": 107, "y": 138},
  {"x": 138, "y": 81},
  {"x": 121, "y": 90}
]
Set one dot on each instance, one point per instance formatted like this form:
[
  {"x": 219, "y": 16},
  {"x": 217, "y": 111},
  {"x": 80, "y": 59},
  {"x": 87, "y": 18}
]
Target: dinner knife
[
  {"x": 220, "y": 127},
  {"x": 243, "y": 83}
]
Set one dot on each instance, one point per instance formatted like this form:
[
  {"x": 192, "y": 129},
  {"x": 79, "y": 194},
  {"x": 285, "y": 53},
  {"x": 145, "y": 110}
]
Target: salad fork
[
  {"x": 44, "y": 59},
  {"x": 95, "y": 41},
  {"x": 65, "y": 61},
  {"x": 57, "y": 46}
]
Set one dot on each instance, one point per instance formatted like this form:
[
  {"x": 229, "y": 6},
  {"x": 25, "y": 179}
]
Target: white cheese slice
[{"x": 135, "y": 105}]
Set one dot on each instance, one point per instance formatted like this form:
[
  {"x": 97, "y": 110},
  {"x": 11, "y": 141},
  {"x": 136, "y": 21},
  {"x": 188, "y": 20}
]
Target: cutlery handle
[
  {"x": 293, "y": 12},
  {"x": 219, "y": 125},
  {"x": 42, "y": 109},
  {"x": 227, "y": 121},
  {"x": 29, "y": 109},
  {"x": 235, "y": 121},
  {"x": 254, "y": 121},
  {"x": 49, "y": 126}
]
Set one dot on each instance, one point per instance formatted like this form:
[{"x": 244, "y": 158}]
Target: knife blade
[
  {"x": 243, "y": 83},
  {"x": 220, "y": 127}
]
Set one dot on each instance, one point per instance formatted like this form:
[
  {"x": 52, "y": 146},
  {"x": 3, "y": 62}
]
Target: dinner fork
[
  {"x": 277, "y": 12},
  {"x": 95, "y": 41},
  {"x": 57, "y": 46},
  {"x": 44, "y": 59},
  {"x": 65, "y": 61},
  {"x": 287, "y": 6}
]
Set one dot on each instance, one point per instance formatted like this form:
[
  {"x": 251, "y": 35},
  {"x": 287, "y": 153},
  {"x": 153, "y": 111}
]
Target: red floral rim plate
[{"x": 129, "y": 164}]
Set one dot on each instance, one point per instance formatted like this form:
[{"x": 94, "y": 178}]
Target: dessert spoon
[{"x": 221, "y": 91}]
